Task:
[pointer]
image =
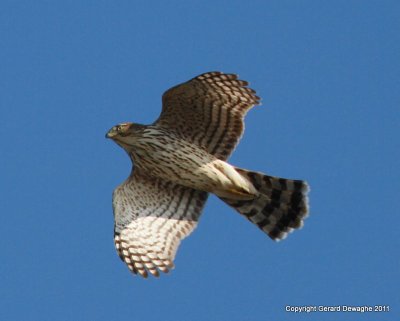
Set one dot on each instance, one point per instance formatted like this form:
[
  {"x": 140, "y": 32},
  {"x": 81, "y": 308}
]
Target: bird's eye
[{"x": 118, "y": 128}]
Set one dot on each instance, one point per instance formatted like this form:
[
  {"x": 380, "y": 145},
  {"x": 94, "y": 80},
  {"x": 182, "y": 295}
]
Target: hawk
[{"x": 181, "y": 158}]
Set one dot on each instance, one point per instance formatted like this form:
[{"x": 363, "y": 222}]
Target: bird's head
[
  {"x": 124, "y": 134},
  {"x": 119, "y": 131}
]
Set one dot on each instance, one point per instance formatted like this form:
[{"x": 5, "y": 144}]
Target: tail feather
[{"x": 280, "y": 207}]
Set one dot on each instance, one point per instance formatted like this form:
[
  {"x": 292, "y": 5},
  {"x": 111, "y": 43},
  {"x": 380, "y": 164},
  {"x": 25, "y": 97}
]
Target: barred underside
[
  {"x": 201, "y": 122},
  {"x": 281, "y": 206}
]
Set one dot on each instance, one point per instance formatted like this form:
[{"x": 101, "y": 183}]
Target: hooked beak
[{"x": 111, "y": 133}]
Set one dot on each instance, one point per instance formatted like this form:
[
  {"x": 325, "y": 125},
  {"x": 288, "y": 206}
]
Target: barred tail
[{"x": 281, "y": 206}]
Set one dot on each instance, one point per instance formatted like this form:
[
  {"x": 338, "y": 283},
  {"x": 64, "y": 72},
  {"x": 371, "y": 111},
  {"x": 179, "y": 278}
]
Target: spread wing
[
  {"x": 151, "y": 217},
  {"x": 209, "y": 110}
]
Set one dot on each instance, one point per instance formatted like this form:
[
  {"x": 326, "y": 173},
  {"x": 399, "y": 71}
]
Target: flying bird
[{"x": 181, "y": 158}]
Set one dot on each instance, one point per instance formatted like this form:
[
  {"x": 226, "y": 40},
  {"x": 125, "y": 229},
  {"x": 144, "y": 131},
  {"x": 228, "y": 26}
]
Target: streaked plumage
[{"x": 179, "y": 159}]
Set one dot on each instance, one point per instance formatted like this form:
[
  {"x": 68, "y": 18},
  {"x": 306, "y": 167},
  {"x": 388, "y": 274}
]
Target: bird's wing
[
  {"x": 151, "y": 217},
  {"x": 208, "y": 110}
]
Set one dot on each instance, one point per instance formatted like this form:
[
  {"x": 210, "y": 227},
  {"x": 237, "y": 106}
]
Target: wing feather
[
  {"x": 152, "y": 216},
  {"x": 209, "y": 110}
]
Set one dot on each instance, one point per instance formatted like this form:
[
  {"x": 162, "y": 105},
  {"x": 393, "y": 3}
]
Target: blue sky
[{"x": 328, "y": 73}]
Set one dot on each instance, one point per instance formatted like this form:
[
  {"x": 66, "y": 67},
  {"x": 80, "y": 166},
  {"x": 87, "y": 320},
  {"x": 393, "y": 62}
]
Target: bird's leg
[{"x": 233, "y": 184}]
